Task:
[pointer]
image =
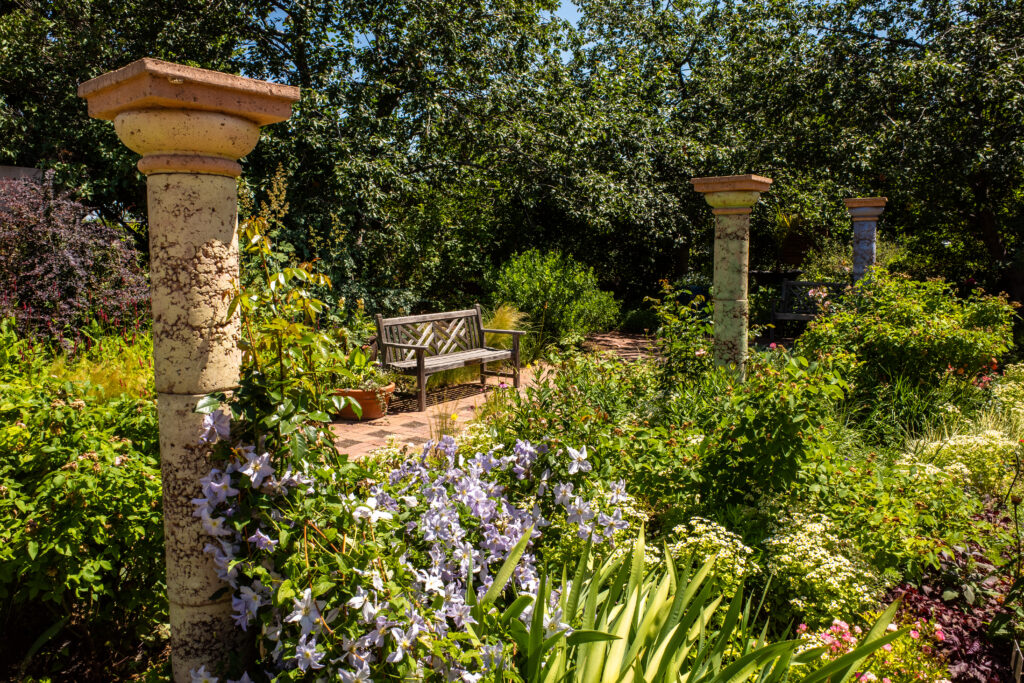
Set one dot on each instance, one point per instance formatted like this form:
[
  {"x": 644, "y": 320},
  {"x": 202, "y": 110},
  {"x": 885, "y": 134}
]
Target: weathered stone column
[
  {"x": 731, "y": 199},
  {"x": 865, "y": 212},
  {"x": 190, "y": 126}
]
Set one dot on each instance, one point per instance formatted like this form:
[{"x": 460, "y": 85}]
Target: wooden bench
[
  {"x": 422, "y": 345},
  {"x": 796, "y": 303}
]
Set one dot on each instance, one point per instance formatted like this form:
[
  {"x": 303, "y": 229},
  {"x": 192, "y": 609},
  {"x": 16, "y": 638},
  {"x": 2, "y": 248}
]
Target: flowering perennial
[{"x": 442, "y": 525}]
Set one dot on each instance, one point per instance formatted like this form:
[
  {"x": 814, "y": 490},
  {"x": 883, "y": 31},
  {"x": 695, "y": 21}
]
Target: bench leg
[
  {"x": 421, "y": 380},
  {"x": 483, "y": 374},
  {"x": 515, "y": 361}
]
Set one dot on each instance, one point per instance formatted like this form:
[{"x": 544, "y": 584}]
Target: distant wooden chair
[{"x": 422, "y": 345}]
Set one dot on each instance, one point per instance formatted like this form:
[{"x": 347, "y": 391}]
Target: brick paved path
[
  {"x": 627, "y": 346},
  {"x": 410, "y": 426}
]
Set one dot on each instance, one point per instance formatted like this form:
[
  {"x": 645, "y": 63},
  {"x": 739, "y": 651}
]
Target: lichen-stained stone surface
[
  {"x": 731, "y": 199},
  {"x": 865, "y": 212},
  {"x": 194, "y": 269},
  {"x": 200, "y": 623}
]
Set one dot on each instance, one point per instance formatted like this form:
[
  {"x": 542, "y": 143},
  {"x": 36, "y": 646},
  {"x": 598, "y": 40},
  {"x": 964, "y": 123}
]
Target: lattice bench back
[
  {"x": 441, "y": 333},
  {"x": 796, "y": 296}
]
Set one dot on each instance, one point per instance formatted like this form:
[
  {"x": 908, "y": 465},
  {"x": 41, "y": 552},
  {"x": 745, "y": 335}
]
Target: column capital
[
  {"x": 865, "y": 207},
  {"x": 183, "y": 119},
  {"x": 732, "y": 194}
]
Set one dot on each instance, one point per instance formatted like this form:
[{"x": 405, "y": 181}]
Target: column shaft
[
  {"x": 865, "y": 212},
  {"x": 731, "y": 199},
  {"x": 190, "y": 126},
  {"x": 731, "y": 316}
]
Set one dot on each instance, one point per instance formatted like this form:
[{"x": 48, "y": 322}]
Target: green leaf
[{"x": 507, "y": 567}]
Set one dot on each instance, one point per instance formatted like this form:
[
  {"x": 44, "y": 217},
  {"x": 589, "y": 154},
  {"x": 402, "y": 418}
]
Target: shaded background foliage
[{"x": 435, "y": 140}]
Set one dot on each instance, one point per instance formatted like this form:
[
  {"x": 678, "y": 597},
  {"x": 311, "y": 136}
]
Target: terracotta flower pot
[{"x": 369, "y": 401}]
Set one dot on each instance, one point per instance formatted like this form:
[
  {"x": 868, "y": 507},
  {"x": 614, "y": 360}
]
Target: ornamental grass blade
[
  {"x": 742, "y": 668},
  {"x": 645, "y": 631},
  {"x": 507, "y": 567},
  {"x": 727, "y": 630},
  {"x": 533, "y": 652},
  {"x": 581, "y": 637},
  {"x": 577, "y": 580},
  {"x": 615, "y": 661},
  {"x": 589, "y": 617},
  {"x": 654, "y": 662},
  {"x": 683, "y": 597},
  {"x": 515, "y": 609},
  {"x": 636, "y": 573}
]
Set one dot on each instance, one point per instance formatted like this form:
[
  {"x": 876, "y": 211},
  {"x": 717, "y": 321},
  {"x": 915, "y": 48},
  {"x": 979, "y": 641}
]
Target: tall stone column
[
  {"x": 865, "y": 212},
  {"x": 731, "y": 199},
  {"x": 190, "y": 126}
]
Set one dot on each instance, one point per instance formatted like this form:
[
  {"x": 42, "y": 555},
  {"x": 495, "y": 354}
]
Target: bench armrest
[{"x": 512, "y": 332}]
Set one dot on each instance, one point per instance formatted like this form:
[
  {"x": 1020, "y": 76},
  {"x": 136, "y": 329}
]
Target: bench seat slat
[{"x": 454, "y": 360}]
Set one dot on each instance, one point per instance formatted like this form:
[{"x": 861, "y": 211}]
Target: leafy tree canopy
[{"x": 436, "y": 139}]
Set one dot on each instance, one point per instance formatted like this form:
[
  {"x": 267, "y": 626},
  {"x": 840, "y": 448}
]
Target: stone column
[
  {"x": 731, "y": 199},
  {"x": 865, "y": 212},
  {"x": 190, "y": 126}
]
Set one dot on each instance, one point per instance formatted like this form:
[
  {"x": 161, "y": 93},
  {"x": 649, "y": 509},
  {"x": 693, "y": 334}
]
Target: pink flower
[
  {"x": 701, "y": 352},
  {"x": 914, "y": 633},
  {"x": 802, "y": 628},
  {"x": 887, "y": 647},
  {"x": 939, "y": 635},
  {"x": 772, "y": 345}
]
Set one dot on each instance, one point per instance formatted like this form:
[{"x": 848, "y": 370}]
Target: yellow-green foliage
[
  {"x": 505, "y": 317},
  {"x": 112, "y": 366},
  {"x": 983, "y": 460}
]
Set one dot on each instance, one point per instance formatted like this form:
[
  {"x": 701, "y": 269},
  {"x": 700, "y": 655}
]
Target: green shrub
[
  {"x": 707, "y": 541},
  {"x": 684, "y": 333},
  {"x": 1008, "y": 394},
  {"x": 902, "y": 516},
  {"x": 81, "y": 535},
  {"x": 896, "y": 327},
  {"x": 560, "y": 295},
  {"x": 639, "y": 321},
  {"x": 760, "y": 432}
]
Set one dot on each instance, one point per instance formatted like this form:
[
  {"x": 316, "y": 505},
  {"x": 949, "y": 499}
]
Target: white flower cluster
[
  {"x": 702, "y": 539},
  {"x": 1008, "y": 393},
  {"x": 810, "y": 560},
  {"x": 983, "y": 460}
]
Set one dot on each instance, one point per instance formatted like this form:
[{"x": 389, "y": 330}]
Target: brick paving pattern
[{"x": 409, "y": 425}]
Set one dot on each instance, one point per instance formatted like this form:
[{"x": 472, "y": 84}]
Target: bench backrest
[
  {"x": 441, "y": 333},
  {"x": 797, "y": 297}
]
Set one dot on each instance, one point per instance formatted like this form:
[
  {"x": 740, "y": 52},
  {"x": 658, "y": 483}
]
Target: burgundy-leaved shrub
[{"x": 59, "y": 269}]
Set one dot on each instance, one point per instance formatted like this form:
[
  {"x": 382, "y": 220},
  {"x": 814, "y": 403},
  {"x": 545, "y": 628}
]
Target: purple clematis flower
[{"x": 262, "y": 541}]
